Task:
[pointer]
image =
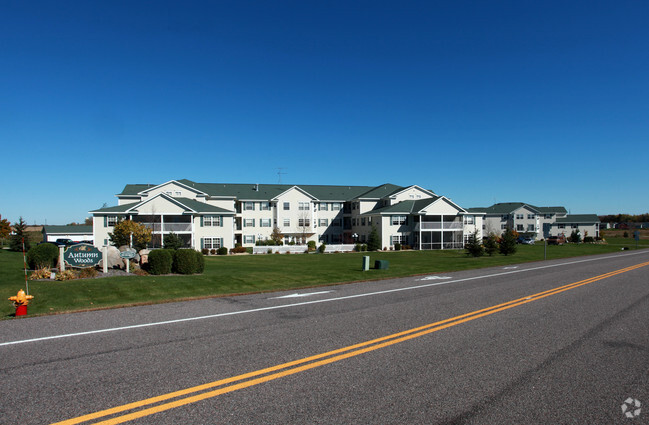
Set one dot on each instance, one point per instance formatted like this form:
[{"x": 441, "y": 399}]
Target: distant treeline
[{"x": 625, "y": 218}]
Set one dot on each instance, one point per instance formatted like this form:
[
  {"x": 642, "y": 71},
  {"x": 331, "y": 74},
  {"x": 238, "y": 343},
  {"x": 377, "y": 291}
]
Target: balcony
[{"x": 436, "y": 225}]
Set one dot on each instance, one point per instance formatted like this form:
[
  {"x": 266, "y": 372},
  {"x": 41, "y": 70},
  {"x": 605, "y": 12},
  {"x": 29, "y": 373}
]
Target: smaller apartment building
[
  {"x": 536, "y": 222},
  {"x": 214, "y": 215}
]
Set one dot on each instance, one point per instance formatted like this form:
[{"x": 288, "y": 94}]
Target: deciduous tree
[{"x": 122, "y": 234}]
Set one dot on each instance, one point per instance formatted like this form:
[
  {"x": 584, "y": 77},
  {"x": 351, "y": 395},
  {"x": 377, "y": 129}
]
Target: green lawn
[{"x": 247, "y": 273}]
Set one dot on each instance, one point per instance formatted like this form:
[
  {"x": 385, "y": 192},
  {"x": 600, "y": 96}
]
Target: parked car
[
  {"x": 556, "y": 240},
  {"x": 526, "y": 240},
  {"x": 65, "y": 242}
]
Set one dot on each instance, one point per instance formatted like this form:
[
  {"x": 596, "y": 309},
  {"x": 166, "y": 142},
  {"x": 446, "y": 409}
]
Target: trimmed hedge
[
  {"x": 160, "y": 261},
  {"x": 188, "y": 261},
  {"x": 43, "y": 255}
]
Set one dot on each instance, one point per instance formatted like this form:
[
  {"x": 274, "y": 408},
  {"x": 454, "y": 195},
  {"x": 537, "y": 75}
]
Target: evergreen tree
[
  {"x": 508, "y": 242},
  {"x": 491, "y": 245},
  {"x": 575, "y": 237},
  {"x": 16, "y": 242},
  {"x": 473, "y": 246},
  {"x": 373, "y": 242},
  {"x": 173, "y": 241}
]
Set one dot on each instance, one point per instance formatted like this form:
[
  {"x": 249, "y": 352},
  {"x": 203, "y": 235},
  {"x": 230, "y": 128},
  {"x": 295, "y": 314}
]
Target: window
[
  {"x": 398, "y": 219},
  {"x": 519, "y": 227},
  {"x": 336, "y": 206},
  {"x": 248, "y": 239},
  {"x": 249, "y": 206},
  {"x": 575, "y": 226},
  {"x": 211, "y": 220},
  {"x": 520, "y": 216},
  {"x": 504, "y": 217},
  {"x": 562, "y": 226},
  {"x": 362, "y": 221},
  {"x": 177, "y": 193},
  {"x": 264, "y": 206},
  {"x": 323, "y": 222},
  {"x": 323, "y": 206},
  {"x": 303, "y": 206},
  {"x": 530, "y": 227},
  {"x": 212, "y": 243},
  {"x": 303, "y": 222},
  {"x": 503, "y": 227},
  {"x": 468, "y": 219},
  {"x": 264, "y": 222},
  {"x": 111, "y": 220},
  {"x": 396, "y": 239},
  {"x": 531, "y": 216},
  {"x": 287, "y": 206},
  {"x": 548, "y": 216},
  {"x": 287, "y": 222},
  {"x": 249, "y": 222},
  {"x": 336, "y": 222}
]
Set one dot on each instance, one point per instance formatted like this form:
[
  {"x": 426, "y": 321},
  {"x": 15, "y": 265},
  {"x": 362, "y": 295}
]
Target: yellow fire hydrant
[{"x": 20, "y": 302}]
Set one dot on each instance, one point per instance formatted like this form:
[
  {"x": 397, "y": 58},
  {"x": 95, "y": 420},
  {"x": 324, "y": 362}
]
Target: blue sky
[{"x": 483, "y": 102}]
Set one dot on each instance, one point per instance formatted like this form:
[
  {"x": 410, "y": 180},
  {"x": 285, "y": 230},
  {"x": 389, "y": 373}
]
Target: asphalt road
[{"x": 491, "y": 346}]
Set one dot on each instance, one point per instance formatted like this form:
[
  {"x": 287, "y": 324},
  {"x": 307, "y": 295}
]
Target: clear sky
[{"x": 481, "y": 101}]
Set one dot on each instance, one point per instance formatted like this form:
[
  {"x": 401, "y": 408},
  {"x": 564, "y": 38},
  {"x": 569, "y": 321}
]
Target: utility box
[
  {"x": 366, "y": 263},
  {"x": 381, "y": 264}
]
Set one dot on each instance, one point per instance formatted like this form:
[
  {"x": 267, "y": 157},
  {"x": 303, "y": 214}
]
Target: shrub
[
  {"x": 43, "y": 255},
  {"x": 589, "y": 239},
  {"x": 269, "y": 251},
  {"x": 200, "y": 262},
  {"x": 249, "y": 250},
  {"x": 311, "y": 245},
  {"x": 44, "y": 273},
  {"x": 213, "y": 251},
  {"x": 322, "y": 248},
  {"x": 238, "y": 250},
  {"x": 66, "y": 275},
  {"x": 88, "y": 272},
  {"x": 205, "y": 251},
  {"x": 222, "y": 251},
  {"x": 160, "y": 261},
  {"x": 397, "y": 246},
  {"x": 357, "y": 247},
  {"x": 364, "y": 247},
  {"x": 186, "y": 261},
  {"x": 140, "y": 272}
]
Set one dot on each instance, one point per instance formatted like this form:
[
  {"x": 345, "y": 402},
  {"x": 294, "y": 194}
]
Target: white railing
[
  {"x": 439, "y": 245},
  {"x": 427, "y": 225},
  {"x": 169, "y": 227},
  {"x": 300, "y": 249}
]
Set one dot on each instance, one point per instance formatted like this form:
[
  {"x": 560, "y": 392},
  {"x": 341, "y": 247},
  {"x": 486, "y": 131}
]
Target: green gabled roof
[
  {"x": 509, "y": 207},
  {"x": 189, "y": 204},
  {"x": 116, "y": 209},
  {"x": 134, "y": 189},
  {"x": 201, "y": 207},
  {"x": 68, "y": 229},
  {"x": 552, "y": 210},
  {"x": 381, "y": 191},
  {"x": 579, "y": 218},
  {"x": 251, "y": 191},
  {"x": 404, "y": 207}
]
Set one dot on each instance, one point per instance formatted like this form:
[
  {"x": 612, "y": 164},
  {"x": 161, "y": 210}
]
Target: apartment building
[
  {"x": 212, "y": 215},
  {"x": 535, "y": 222}
]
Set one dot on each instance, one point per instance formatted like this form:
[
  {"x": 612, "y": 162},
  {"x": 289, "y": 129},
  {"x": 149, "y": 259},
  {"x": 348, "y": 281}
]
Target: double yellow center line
[{"x": 212, "y": 389}]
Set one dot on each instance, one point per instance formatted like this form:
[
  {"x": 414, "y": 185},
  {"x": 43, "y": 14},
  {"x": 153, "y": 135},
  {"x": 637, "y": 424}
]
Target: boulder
[
  {"x": 144, "y": 256},
  {"x": 113, "y": 260}
]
